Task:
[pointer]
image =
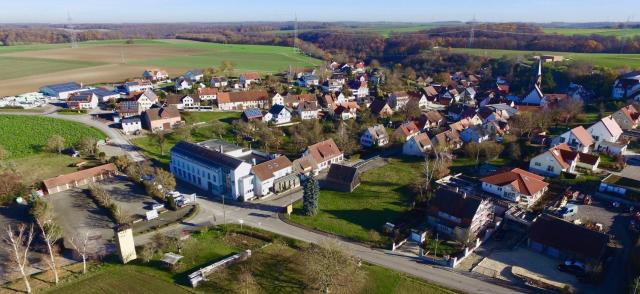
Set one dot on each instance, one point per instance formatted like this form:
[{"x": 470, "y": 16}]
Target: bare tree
[
  {"x": 160, "y": 138},
  {"x": 330, "y": 266},
  {"x": 51, "y": 233},
  {"x": 19, "y": 242},
  {"x": 80, "y": 246}
]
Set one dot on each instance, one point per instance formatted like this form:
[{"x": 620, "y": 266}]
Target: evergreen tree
[{"x": 310, "y": 197}]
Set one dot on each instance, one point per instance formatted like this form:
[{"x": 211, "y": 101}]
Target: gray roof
[
  {"x": 205, "y": 156},
  {"x": 64, "y": 87},
  {"x": 101, "y": 92}
]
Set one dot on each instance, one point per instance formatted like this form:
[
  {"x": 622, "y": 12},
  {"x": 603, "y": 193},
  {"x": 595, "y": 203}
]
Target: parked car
[
  {"x": 568, "y": 210},
  {"x": 573, "y": 267}
]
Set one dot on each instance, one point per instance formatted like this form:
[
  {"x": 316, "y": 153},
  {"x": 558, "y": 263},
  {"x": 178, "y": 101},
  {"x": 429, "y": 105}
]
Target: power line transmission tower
[
  {"x": 295, "y": 34},
  {"x": 472, "y": 34},
  {"x": 624, "y": 26},
  {"x": 72, "y": 32}
]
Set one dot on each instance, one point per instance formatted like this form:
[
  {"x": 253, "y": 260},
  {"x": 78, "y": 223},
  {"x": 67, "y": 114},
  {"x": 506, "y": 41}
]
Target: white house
[
  {"x": 249, "y": 78},
  {"x": 82, "y": 100},
  {"x": 606, "y": 129},
  {"x": 627, "y": 86},
  {"x": 278, "y": 114},
  {"x": 308, "y": 110},
  {"x": 397, "y": 100},
  {"x": 155, "y": 74},
  {"x": 243, "y": 100},
  {"x": 560, "y": 159},
  {"x": 374, "y": 136},
  {"x": 274, "y": 176},
  {"x": 140, "y": 102},
  {"x": 324, "y": 154},
  {"x": 138, "y": 86},
  {"x": 515, "y": 185},
  {"x": 131, "y": 125},
  {"x": 417, "y": 145},
  {"x": 208, "y": 94},
  {"x": 359, "y": 89},
  {"x": 183, "y": 83},
  {"x": 219, "y": 82},
  {"x": 194, "y": 75},
  {"x": 577, "y": 138}
]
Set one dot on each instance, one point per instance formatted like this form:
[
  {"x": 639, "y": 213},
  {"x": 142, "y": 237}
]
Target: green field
[
  {"x": 600, "y": 59},
  {"x": 26, "y": 135},
  {"x": 382, "y": 196},
  {"x": 17, "y": 67},
  {"x": 200, "y": 133},
  {"x": 259, "y": 58},
  {"x": 621, "y": 33}
]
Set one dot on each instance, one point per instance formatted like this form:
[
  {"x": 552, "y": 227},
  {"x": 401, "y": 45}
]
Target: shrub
[{"x": 171, "y": 203}]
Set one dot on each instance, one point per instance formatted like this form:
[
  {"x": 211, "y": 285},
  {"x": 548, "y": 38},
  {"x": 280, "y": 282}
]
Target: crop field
[
  {"x": 22, "y": 136},
  {"x": 600, "y": 59},
  {"x": 32, "y": 66},
  {"x": 621, "y": 33}
]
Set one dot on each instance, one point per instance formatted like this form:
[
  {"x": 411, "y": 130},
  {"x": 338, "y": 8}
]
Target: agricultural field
[
  {"x": 383, "y": 196},
  {"x": 31, "y": 66},
  {"x": 23, "y": 136},
  {"x": 621, "y": 33},
  {"x": 611, "y": 60}
]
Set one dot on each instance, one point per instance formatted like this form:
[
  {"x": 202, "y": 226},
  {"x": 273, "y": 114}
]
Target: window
[
  {"x": 537, "y": 164},
  {"x": 550, "y": 168}
]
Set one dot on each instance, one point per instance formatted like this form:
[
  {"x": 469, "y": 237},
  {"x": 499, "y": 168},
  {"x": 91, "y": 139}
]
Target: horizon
[{"x": 411, "y": 11}]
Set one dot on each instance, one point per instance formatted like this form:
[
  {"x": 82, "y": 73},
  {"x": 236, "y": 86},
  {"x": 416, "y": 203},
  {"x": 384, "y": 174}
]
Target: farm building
[
  {"x": 161, "y": 118},
  {"x": 61, "y": 91},
  {"x": 79, "y": 178}
]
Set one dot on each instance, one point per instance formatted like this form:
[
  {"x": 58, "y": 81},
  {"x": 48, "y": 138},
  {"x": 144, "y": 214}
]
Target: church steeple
[{"x": 539, "y": 76}]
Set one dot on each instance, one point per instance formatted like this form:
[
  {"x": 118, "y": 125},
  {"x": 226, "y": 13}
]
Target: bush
[{"x": 171, "y": 203}]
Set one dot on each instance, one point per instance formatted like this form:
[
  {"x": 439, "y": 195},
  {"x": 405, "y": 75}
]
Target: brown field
[{"x": 108, "y": 53}]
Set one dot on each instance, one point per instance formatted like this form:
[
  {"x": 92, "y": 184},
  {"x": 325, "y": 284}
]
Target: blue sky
[{"x": 315, "y": 10}]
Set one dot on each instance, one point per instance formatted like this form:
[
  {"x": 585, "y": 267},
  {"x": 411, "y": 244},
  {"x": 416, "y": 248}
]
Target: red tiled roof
[
  {"x": 324, "y": 151},
  {"x": 409, "y": 128},
  {"x": 78, "y": 176},
  {"x": 246, "y": 96},
  {"x": 265, "y": 170},
  {"x": 522, "y": 181},
  {"x": 582, "y": 135}
]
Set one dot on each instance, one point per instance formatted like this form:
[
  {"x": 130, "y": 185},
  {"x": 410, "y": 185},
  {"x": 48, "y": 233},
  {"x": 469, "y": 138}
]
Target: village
[{"x": 537, "y": 190}]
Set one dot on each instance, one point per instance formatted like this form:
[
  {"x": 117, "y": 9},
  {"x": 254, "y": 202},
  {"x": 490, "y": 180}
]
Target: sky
[{"x": 136, "y": 11}]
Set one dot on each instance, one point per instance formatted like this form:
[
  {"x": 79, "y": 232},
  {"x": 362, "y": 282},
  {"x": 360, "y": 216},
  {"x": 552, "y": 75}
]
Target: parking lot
[{"x": 130, "y": 197}]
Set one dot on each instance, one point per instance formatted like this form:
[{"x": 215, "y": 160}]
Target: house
[
  {"x": 342, "y": 178},
  {"x": 612, "y": 148},
  {"x": 347, "y": 110},
  {"x": 218, "y": 171},
  {"x": 562, "y": 158},
  {"x": 79, "y": 178},
  {"x": 293, "y": 101},
  {"x": 219, "y": 82},
  {"x": 305, "y": 166},
  {"x": 406, "y": 131},
  {"x": 430, "y": 91},
  {"x": 359, "y": 89},
  {"x": 621, "y": 185},
  {"x": 418, "y": 145},
  {"x": 243, "y": 100},
  {"x": 375, "y": 136},
  {"x": 627, "y": 117},
  {"x": 397, "y": 100},
  {"x": 308, "y": 110},
  {"x": 576, "y": 91},
  {"x": 207, "y": 94},
  {"x": 131, "y": 125},
  {"x": 183, "y": 101},
  {"x": 195, "y": 75},
  {"x": 515, "y": 185},
  {"x": 274, "y": 176},
  {"x": 627, "y": 86},
  {"x": 475, "y": 133},
  {"x": 324, "y": 154},
  {"x": 577, "y": 138},
  {"x": 249, "y": 78},
  {"x": 464, "y": 124},
  {"x": 183, "y": 83},
  {"x": 61, "y": 91},
  {"x": 458, "y": 215},
  {"x": 308, "y": 81},
  {"x": 606, "y": 129},
  {"x": 104, "y": 94},
  {"x": 447, "y": 140},
  {"x": 380, "y": 108},
  {"x": 252, "y": 114},
  {"x": 155, "y": 74},
  {"x": 332, "y": 101},
  {"x": 138, "y": 86},
  {"x": 431, "y": 120},
  {"x": 420, "y": 100},
  {"x": 278, "y": 114},
  {"x": 82, "y": 100},
  {"x": 139, "y": 101},
  {"x": 567, "y": 241},
  {"x": 164, "y": 118}
]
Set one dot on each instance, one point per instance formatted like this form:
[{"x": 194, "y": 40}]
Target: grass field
[
  {"x": 382, "y": 196},
  {"x": 201, "y": 132},
  {"x": 621, "y": 33},
  {"x": 31, "y": 66},
  {"x": 277, "y": 268},
  {"x": 601, "y": 59},
  {"x": 26, "y": 135}
]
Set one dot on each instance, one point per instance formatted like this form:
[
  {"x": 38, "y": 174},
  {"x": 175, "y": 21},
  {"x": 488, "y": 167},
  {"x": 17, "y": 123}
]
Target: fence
[
  {"x": 456, "y": 260},
  {"x": 200, "y": 275}
]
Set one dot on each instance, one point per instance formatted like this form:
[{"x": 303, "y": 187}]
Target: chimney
[{"x": 253, "y": 160}]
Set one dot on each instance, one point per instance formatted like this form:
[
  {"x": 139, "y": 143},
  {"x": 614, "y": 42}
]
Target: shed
[{"x": 342, "y": 178}]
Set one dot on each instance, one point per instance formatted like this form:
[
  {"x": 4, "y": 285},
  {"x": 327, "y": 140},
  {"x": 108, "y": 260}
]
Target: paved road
[
  {"x": 263, "y": 215},
  {"x": 117, "y": 139}
]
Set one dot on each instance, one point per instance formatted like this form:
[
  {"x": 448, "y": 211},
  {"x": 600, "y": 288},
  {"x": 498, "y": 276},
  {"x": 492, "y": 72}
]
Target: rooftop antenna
[{"x": 72, "y": 32}]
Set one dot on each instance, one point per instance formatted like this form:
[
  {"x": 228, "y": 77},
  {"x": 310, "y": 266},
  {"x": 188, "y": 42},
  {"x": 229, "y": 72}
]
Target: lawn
[
  {"x": 601, "y": 59},
  {"x": 621, "y": 33},
  {"x": 38, "y": 167},
  {"x": 383, "y": 196},
  {"x": 26, "y": 135},
  {"x": 18, "y": 67},
  {"x": 201, "y": 132}
]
